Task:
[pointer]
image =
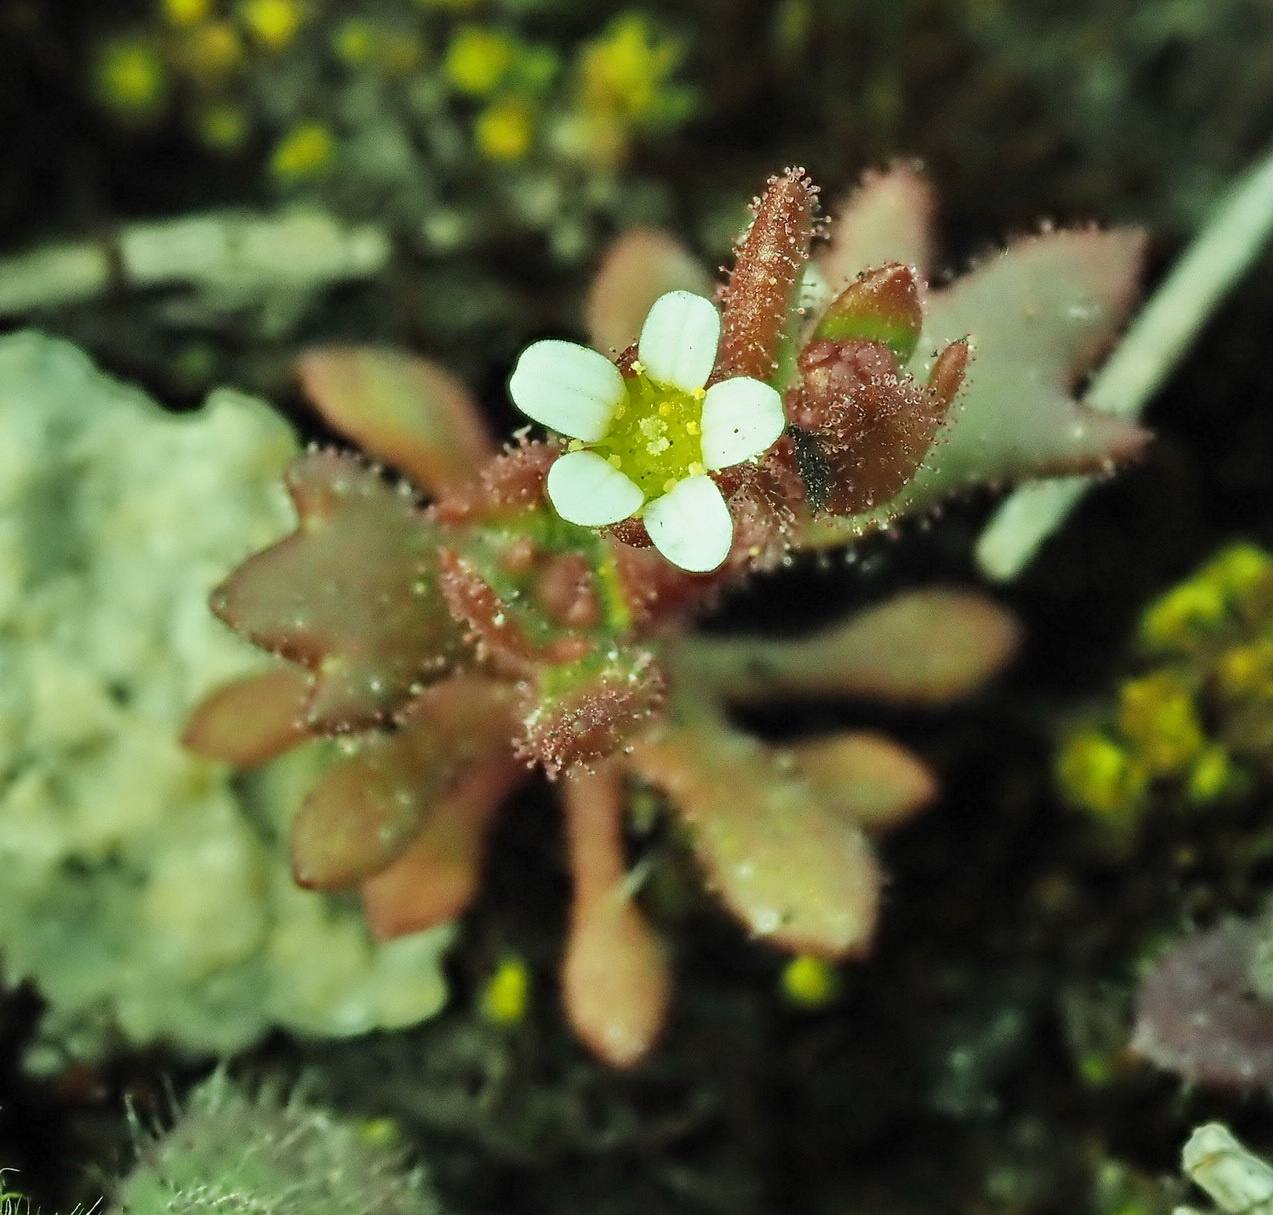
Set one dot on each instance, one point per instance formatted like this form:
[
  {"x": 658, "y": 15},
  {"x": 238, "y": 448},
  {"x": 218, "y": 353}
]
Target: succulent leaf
[
  {"x": 881, "y": 305},
  {"x": 252, "y": 719},
  {"x": 761, "y": 301},
  {"x": 351, "y": 595},
  {"x": 435, "y": 879},
  {"x": 370, "y": 803},
  {"x": 920, "y": 647},
  {"x": 792, "y": 867},
  {"x": 581, "y": 710},
  {"x": 414, "y": 415},
  {"x": 616, "y": 979},
  {"x": 868, "y": 777},
  {"x": 889, "y": 218}
]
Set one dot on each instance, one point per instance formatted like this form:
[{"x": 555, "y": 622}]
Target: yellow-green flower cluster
[
  {"x": 411, "y": 108},
  {"x": 1196, "y": 722}
]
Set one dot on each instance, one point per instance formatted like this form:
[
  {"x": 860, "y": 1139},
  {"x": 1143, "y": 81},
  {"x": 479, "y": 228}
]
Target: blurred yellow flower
[
  {"x": 186, "y": 12},
  {"x": 306, "y": 151},
  {"x": 272, "y": 23},
  {"x": 506, "y": 995},
  {"x": 505, "y": 130},
  {"x": 478, "y": 60},
  {"x": 131, "y": 79}
]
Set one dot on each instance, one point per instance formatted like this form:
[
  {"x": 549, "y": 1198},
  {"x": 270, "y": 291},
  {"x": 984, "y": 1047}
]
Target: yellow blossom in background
[
  {"x": 307, "y": 151},
  {"x": 478, "y": 60},
  {"x": 1211, "y": 776},
  {"x": 1156, "y": 713},
  {"x": 212, "y": 52},
  {"x": 505, "y": 130},
  {"x": 186, "y": 12},
  {"x": 356, "y": 42},
  {"x": 131, "y": 79},
  {"x": 1096, "y": 774},
  {"x": 810, "y": 982},
  {"x": 506, "y": 994},
  {"x": 1246, "y": 670},
  {"x": 222, "y": 126},
  {"x": 1239, "y": 570},
  {"x": 272, "y": 23},
  {"x": 1182, "y": 617},
  {"x": 624, "y": 71}
]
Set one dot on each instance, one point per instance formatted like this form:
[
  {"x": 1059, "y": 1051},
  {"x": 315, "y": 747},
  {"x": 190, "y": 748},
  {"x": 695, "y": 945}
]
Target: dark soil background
[{"x": 950, "y": 1072}]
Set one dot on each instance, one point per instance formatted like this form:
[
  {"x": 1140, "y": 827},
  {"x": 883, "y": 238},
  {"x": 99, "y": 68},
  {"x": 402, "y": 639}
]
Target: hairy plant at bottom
[{"x": 538, "y": 610}]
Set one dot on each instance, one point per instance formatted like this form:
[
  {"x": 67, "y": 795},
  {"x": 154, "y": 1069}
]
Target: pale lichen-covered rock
[{"x": 144, "y": 890}]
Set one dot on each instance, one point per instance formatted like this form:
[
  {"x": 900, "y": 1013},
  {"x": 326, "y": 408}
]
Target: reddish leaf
[
  {"x": 412, "y": 414},
  {"x": 580, "y": 711},
  {"x": 868, "y": 777},
  {"x": 926, "y": 646},
  {"x": 351, "y": 595},
  {"x": 791, "y": 867},
  {"x": 761, "y": 297},
  {"x": 370, "y": 803},
  {"x": 252, "y": 719},
  {"x": 639, "y": 266},
  {"x": 867, "y": 425},
  {"x": 616, "y": 980},
  {"x": 435, "y": 879},
  {"x": 888, "y": 219}
]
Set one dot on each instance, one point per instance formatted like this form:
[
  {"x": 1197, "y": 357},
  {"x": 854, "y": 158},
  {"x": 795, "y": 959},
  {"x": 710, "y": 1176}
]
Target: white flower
[{"x": 644, "y": 446}]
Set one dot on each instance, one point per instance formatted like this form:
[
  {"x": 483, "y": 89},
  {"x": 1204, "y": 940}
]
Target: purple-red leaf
[
  {"x": 881, "y": 305},
  {"x": 351, "y": 595},
  {"x": 762, "y": 293},
  {"x": 370, "y": 803},
  {"x": 435, "y": 879},
  {"x": 414, "y": 415},
  {"x": 252, "y": 719}
]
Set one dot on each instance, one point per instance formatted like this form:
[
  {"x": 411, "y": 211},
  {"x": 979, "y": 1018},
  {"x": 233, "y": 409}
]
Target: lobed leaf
[
  {"x": 407, "y": 411},
  {"x": 351, "y": 595},
  {"x": 790, "y": 865},
  {"x": 370, "y": 804}
]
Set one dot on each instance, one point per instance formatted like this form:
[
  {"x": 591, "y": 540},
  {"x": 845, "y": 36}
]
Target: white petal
[
  {"x": 568, "y": 388},
  {"x": 586, "y": 489},
  {"x": 690, "y": 525},
  {"x": 678, "y": 340},
  {"x": 742, "y": 417}
]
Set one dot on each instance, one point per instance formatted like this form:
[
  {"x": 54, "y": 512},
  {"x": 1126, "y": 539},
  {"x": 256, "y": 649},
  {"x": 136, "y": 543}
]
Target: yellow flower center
[{"x": 656, "y": 438}]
